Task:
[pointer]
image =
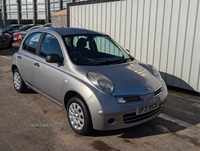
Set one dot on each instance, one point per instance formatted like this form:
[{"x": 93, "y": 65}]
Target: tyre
[
  {"x": 18, "y": 82},
  {"x": 10, "y": 44},
  {"x": 79, "y": 116}
]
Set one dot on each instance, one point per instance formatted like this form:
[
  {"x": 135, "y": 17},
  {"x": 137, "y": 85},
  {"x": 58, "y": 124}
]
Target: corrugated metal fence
[{"x": 164, "y": 33}]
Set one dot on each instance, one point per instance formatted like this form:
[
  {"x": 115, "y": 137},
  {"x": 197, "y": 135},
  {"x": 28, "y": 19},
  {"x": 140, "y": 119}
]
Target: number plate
[
  {"x": 15, "y": 39},
  {"x": 147, "y": 108}
]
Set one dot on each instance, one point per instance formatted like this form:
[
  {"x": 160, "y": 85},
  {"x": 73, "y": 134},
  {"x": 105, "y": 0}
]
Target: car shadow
[
  {"x": 30, "y": 91},
  {"x": 156, "y": 126}
]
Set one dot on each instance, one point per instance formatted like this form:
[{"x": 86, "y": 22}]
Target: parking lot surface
[{"x": 29, "y": 121}]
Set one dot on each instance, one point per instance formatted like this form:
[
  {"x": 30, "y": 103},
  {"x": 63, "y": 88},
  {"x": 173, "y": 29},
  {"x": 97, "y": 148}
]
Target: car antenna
[{"x": 76, "y": 20}]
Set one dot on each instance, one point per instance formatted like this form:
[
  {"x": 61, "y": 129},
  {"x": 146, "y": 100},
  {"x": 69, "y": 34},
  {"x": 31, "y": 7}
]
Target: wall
[
  {"x": 164, "y": 33},
  {"x": 59, "y": 19},
  {"x": 8, "y": 22}
]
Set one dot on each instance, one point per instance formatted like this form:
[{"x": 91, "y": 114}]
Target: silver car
[{"x": 89, "y": 74}]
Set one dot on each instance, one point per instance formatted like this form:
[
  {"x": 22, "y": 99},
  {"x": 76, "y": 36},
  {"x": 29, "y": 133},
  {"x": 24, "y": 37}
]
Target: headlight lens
[
  {"x": 154, "y": 71},
  {"x": 101, "y": 82}
]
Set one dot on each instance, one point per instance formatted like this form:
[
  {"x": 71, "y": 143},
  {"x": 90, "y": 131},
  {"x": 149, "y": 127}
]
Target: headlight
[
  {"x": 101, "y": 82},
  {"x": 20, "y": 35},
  {"x": 154, "y": 71}
]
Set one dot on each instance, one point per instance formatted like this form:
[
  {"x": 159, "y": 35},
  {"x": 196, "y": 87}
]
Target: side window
[
  {"x": 15, "y": 28},
  {"x": 50, "y": 45},
  {"x": 33, "y": 42},
  {"x": 25, "y": 44}
]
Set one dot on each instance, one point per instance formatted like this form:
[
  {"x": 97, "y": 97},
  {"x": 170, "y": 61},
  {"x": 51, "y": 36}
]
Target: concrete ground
[{"x": 30, "y": 121}]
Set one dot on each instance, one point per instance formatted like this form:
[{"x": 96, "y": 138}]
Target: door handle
[
  {"x": 20, "y": 57},
  {"x": 37, "y": 64}
]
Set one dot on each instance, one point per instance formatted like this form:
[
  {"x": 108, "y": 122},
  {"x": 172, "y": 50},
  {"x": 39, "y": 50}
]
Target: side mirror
[
  {"x": 54, "y": 58},
  {"x": 131, "y": 57}
]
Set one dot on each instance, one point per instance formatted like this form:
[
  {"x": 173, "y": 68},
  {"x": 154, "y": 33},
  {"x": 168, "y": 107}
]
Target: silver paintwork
[{"x": 55, "y": 81}]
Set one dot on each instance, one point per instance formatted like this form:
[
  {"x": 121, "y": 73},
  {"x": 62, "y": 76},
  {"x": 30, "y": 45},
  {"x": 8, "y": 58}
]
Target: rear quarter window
[{"x": 31, "y": 42}]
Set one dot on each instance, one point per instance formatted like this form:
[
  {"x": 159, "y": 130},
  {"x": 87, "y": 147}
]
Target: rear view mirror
[{"x": 54, "y": 58}]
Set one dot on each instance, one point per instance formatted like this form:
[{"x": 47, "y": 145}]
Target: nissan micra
[{"x": 97, "y": 81}]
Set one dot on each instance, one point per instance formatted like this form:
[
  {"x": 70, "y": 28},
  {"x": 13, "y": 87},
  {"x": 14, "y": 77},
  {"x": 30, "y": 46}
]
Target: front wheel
[
  {"x": 18, "y": 82},
  {"x": 78, "y": 116}
]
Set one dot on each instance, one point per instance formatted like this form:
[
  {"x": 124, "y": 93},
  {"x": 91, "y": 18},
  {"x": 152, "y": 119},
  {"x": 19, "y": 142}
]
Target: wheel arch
[
  {"x": 13, "y": 68},
  {"x": 69, "y": 95}
]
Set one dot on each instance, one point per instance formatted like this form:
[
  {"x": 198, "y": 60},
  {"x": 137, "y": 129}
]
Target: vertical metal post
[
  {"x": 34, "y": 12},
  {"x": 18, "y": 11},
  {"x": 68, "y": 14},
  {"x": 47, "y": 11},
  {"x": 60, "y": 5},
  {"x": 4, "y": 12}
]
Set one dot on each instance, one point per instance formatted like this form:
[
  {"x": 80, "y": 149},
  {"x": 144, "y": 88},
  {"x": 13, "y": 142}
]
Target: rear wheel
[
  {"x": 18, "y": 82},
  {"x": 78, "y": 116}
]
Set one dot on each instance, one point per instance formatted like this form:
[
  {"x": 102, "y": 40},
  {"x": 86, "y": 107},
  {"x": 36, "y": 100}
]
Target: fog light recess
[{"x": 111, "y": 121}]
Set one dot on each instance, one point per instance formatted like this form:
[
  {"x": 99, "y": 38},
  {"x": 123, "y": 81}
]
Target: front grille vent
[
  {"x": 132, "y": 117},
  {"x": 132, "y": 98},
  {"x": 158, "y": 92}
]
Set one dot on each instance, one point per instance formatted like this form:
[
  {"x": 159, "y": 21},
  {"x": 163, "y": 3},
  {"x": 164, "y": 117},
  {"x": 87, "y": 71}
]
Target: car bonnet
[{"x": 128, "y": 78}]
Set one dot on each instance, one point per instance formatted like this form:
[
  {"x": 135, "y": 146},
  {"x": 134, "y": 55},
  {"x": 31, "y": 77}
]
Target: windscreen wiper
[
  {"x": 105, "y": 62},
  {"x": 123, "y": 60}
]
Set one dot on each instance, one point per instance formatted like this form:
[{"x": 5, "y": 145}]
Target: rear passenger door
[
  {"x": 48, "y": 77},
  {"x": 26, "y": 57}
]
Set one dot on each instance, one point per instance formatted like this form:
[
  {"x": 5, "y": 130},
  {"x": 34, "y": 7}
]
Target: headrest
[{"x": 81, "y": 43}]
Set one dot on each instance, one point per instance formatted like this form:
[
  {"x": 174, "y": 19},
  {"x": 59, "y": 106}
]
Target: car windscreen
[
  {"x": 47, "y": 25},
  {"x": 93, "y": 50},
  {"x": 7, "y": 28},
  {"x": 32, "y": 28},
  {"x": 23, "y": 28}
]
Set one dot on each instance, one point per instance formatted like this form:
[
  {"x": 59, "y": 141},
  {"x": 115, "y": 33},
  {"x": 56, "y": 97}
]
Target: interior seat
[{"x": 85, "y": 52}]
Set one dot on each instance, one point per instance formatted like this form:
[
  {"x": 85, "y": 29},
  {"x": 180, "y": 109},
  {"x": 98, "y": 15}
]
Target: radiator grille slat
[{"x": 157, "y": 92}]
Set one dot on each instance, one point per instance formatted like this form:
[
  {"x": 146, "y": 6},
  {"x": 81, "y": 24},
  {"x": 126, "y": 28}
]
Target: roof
[{"x": 72, "y": 31}]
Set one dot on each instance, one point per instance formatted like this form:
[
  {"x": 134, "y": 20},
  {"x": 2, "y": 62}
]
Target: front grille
[
  {"x": 132, "y": 98},
  {"x": 132, "y": 117},
  {"x": 157, "y": 92}
]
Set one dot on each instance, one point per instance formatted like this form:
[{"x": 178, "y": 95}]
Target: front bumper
[
  {"x": 107, "y": 114},
  {"x": 17, "y": 39}
]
